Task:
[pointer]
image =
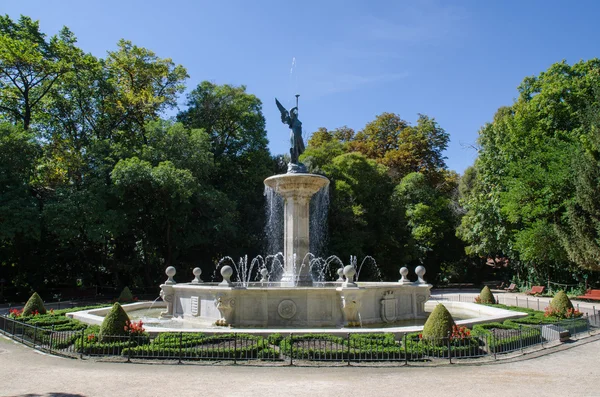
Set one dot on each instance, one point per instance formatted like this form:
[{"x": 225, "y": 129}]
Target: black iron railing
[{"x": 357, "y": 347}]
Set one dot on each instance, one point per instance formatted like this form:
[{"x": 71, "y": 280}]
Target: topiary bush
[
  {"x": 439, "y": 324},
  {"x": 561, "y": 306},
  {"x": 34, "y": 304},
  {"x": 114, "y": 323},
  {"x": 126, "y": 296},
  {"x": 486, "y": 296}
]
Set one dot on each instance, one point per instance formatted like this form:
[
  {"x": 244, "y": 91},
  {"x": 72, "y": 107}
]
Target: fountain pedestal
[{"x": 296, "y": 190}]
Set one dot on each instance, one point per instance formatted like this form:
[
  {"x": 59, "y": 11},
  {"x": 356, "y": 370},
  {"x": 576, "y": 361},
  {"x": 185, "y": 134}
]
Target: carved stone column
[{"x": 296, "y": 190}]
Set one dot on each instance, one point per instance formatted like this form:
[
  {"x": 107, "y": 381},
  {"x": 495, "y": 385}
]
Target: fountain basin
[
  {"x": 476, "y": 314},
  {"x": 332, "y": 305}
]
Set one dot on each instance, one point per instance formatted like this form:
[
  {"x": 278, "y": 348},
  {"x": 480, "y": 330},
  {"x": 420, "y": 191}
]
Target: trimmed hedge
[
  {"x": 200, "y": 346},
  {"x": 486, "y": 296},
  {"x": 35, "y": 303},
  {"x": 114, "y": 323},
  {"x": 439, "y": 324},
  {"x": 126, "y": 296},
  {"x": 527, "y": 336},
  {"x": 561, "y": 304}
]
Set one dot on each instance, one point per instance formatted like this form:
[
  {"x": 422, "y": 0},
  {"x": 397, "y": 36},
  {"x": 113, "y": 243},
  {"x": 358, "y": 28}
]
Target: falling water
[
  {"x": 274, "y": 223},
  {"x": 318, "y": 231}
]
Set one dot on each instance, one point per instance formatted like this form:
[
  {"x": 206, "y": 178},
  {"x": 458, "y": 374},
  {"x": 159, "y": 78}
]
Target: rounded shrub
[
  {"x": 486, "y": 296},
  {"x": 439, "y": 324},
  {"x": 114, "y": 323},
  {"x": 126, "y": 295},
  {"x": 35, "y": 303},
  {"x": 561, "y": 303}
]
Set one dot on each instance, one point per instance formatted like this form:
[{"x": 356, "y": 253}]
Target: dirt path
[{"x": 574, "y": 370}]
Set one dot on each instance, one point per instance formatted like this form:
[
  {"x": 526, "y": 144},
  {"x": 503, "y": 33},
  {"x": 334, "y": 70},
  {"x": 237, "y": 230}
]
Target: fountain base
[{"x": 329, "y": 305}]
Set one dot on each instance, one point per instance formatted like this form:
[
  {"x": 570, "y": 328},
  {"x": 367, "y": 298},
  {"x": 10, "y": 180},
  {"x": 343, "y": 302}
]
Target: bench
[
  {"x": 592, "y": 294},
  {"x": 536, "y": 290}
]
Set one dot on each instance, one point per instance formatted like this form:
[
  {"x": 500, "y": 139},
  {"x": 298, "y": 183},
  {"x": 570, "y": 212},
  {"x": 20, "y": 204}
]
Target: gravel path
[{"x": 570, "y": 370}]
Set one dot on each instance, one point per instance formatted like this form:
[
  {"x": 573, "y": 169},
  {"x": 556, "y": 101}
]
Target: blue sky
[{"x": 456, "y": 61}]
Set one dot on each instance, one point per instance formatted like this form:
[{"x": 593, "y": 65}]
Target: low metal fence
[
  {"x": 529, "y": 302},
  {"x": 490, "y": 343}
]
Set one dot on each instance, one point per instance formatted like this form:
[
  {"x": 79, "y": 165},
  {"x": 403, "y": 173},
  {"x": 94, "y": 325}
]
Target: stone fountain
[{"x": 295, "y": 301}]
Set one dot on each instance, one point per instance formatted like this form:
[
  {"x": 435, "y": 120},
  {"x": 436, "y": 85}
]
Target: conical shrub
[
  {"x": 35, "y": 303},
  {"x": 126, "y": 296},
  {"x": 114, "y": 323},
  {"x": 561, "y": 303},
  {"x": 486, "y": 296},
  {"x": 439, "y": 324}
]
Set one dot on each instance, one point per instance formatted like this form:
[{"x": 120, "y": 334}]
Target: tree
[
  {"x": 403, "y": 148},
  {"x": 143, "y": 86},
  {"x": 524, "y": 189},
  {"x": 580, "y": 230},
  {"x": 235, "y": 125},
  {"x": 30, "y": 66}
]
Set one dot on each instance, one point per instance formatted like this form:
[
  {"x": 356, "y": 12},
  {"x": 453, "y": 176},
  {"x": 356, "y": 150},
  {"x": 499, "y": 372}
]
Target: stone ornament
[
  {"x": 421, "y": 299},
  {"x": 195, "y": 306},
  {"x": 287, "y": 309},
  {"x": 349, "y": 273},
  {"x": 167, "y": 294},
  {"x": 403, "y": 274},
  {"x": 170, "y": 272},
  {"x": 225, "y": 305},
  {"x": 340, "y": 273},
  {"x": 388, "y": 307},
  {"x": 226, "y": 272},
  {"x": 420, "y": 270},
  {"x": 350, "y": 308},
  {"x": 197, "y": 272},
  {"x": 264, "y": 274}
]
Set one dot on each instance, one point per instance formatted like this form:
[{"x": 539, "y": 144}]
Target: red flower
[
  {"x": 14, "y": 313},
  {"x": 134, "y": 328}
]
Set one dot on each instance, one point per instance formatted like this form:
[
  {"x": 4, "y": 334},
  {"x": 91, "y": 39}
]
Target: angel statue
[{"x": 297, "y": 144}]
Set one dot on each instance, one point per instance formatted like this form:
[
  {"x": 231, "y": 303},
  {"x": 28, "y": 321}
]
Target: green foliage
[
  {"x": 31, "y": 65},
  {"x": 114, "y": 323},
  {"x": 523, "y": 198},
  {"x": 125, "y": 296},
  {"x": 520, "y": 337},
  {"x": 403, "y": 148},
  {"x": 561, "y": 303},
  {"x": 34, "y": 304},
  {"x": 439, "y": 323},
  {"x": 579, "y": 233},
  {"x": 486, "y": 296}
]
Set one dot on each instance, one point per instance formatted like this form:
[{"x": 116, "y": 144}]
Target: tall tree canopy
[
  {"x": 392, "y": 196},
  {"x": 525, "y": 176},
  {"x": 234, "y": 122}
]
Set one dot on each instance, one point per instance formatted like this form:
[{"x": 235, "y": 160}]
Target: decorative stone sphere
[
  {"x": 264, "y": 272},
  {"x": 404, "y": 271},
  {"x": 420, "y": 270},
  {"x": 349, "y": 272},
  {"x": 170, "y": 272},
  {"x": 197, "y": 271},
  {"x": 226, "y": 272},
  {"x": 340, "y": 272}
]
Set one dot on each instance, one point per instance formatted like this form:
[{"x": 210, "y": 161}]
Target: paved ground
[{"x": 569, "y": 370}]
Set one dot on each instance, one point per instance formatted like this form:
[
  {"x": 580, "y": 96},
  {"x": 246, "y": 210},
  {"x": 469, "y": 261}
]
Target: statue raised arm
[{"x": 296, "y": 143}]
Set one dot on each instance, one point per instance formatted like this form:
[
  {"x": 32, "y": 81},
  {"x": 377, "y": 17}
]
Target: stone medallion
[{"x": 287, "y": 309}]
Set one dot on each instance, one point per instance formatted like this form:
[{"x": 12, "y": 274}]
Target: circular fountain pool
[{"x": 465, "y": 314}]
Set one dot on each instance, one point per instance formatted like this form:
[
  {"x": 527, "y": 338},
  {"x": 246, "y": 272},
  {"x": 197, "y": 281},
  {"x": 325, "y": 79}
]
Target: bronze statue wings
[{"x": 285, "y": 115}]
